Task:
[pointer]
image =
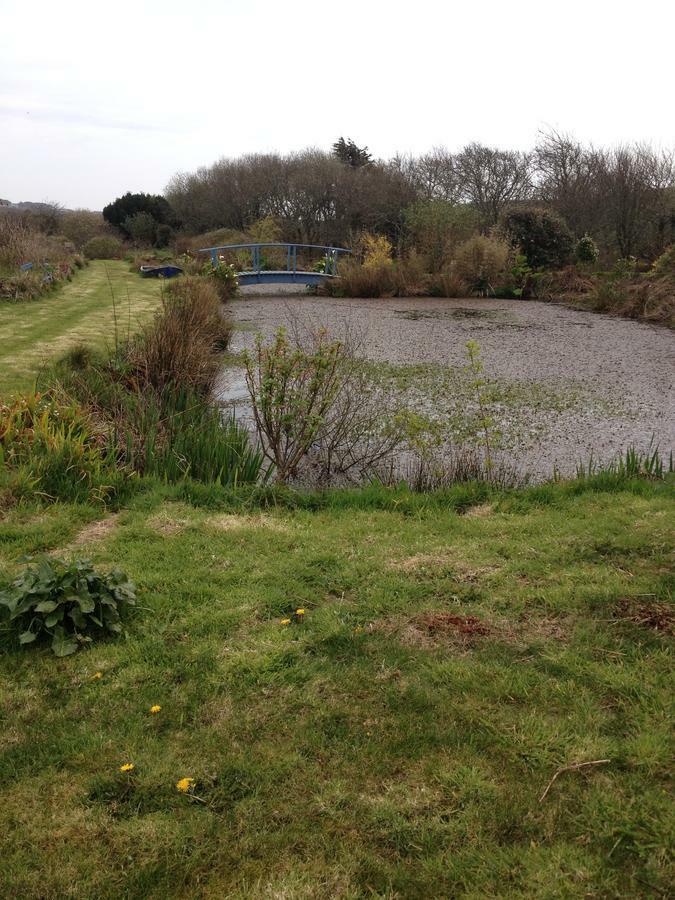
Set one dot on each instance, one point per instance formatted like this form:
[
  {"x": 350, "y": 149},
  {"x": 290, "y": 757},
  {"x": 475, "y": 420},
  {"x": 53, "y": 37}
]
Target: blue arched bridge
[{"x": 296, "y": 255}]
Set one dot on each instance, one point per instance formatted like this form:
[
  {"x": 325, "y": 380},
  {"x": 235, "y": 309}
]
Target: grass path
[
  {"x": 395, "y": 743},
  {"x": 31, "y": 334}
]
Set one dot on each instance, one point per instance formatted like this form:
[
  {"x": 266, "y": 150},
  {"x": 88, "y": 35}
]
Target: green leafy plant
[
  {"x": 225, "y": 278},
  {"x": 68, "y": 602},
  {"x": 292, "y": 389},
  {"x": 103, "y": 247},
  {"x": 586, "y": 250},
  {"x": 665, "y": 264},
  {"x": 55, "y": 445},
  {"x": 542, "y": 235},
  {"x": 485, "y": 424},
  {"x": 519, "y": 279}
]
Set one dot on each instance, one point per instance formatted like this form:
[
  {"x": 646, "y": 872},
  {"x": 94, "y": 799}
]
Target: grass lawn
[
  {"x": 32, "y": 333},
  {"x": 395, "y": 742}
]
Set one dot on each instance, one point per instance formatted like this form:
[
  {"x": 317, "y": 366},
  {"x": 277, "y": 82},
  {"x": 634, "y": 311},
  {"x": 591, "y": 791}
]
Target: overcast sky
[{"x": 97, "y": 99}]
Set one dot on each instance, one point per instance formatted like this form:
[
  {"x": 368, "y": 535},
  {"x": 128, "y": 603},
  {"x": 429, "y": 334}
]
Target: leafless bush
[
  {"x": 19, "y": 243},
  {"x": 80, "y": 225},
  {"x": 425, "y": 471},
  {"x": 361, "y": 432}
]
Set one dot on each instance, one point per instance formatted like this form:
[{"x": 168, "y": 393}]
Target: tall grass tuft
[
  {"x": 631, "y": 464},
  {"x": 184, "y": 437},
  {"x": 183, "y": 343},
  {"x": 55, "y": 451},
  {"x": 153, "y": 396}
]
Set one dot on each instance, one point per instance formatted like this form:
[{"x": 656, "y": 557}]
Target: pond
[{"x": 565, "y": 386}]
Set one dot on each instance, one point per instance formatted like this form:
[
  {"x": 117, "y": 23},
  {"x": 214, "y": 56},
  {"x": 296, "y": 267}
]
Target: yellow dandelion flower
[
  {"x": 155, "y": 709},
  {"x": 96, "y": 676},
  {"x": 185, "y": 784},
  {"x": 299, "y": 612},
  {"x": 285, "y": 621},
  {"x": 127, "y": 767}
]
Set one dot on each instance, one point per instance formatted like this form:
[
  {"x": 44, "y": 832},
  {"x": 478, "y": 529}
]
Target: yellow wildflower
[
  {"x": 185, "y": 784},
  {"x": 285, "y": 621},
  {"x": 96, "y": 676},
  {"x": 299, "y": 612},
  {"x": 155, "y": 709},
  {"x": 127, "y": 767}
]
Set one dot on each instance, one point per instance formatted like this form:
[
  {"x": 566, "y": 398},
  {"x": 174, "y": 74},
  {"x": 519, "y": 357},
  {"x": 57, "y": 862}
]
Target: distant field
[{"x": 32, "y": 333}]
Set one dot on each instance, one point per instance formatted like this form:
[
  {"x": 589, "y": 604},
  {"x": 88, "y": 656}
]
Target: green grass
[
  {"x": 364, "y": 752},
  {"x": 33, "y": 333}
]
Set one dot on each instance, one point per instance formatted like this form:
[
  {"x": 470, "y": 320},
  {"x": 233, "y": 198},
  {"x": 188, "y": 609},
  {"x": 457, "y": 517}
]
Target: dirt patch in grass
[
  {"x": 166, "y": 524},
  {"x": 433, "y": 563},
  {"x": 448, "y": 623},
  {"x": 95, "y": 531},
  {"x": 432, "y": 629},
  {"x": 478, "y": 512},
  {"x": 233, "y": 522},
  {"x": 655, "y": 616}
]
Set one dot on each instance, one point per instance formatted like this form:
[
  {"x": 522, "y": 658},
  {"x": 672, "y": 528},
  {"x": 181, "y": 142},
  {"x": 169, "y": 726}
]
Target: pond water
[{"x": 565, "y": 385}]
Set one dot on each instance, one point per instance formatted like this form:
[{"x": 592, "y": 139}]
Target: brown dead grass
[
  {"x": 433, "y": 629},
  {"x": 95, "y": 531},
  {"x": 462, "y": 569},
  {"x": 655, "y": 616},
  {"x": 166, "y": 524},
  {"x": 480, "y": 511},
  {"x": 234, "y": 522}
]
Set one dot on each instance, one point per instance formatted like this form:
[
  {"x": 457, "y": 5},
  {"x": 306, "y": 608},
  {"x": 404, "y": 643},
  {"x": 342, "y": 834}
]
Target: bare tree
[
  {"x": 636, "y": 185},
  {"x": 492, "y": 178}
]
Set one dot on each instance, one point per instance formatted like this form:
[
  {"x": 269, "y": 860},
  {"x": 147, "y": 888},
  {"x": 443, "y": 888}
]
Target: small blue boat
[{"x": 160, "y": 271}]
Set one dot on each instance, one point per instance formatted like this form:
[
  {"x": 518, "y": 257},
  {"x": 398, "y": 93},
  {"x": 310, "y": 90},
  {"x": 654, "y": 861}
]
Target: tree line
[{"x": 624, "y": 196}]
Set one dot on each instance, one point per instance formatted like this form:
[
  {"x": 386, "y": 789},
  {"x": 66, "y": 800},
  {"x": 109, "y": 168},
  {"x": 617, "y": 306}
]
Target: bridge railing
[{"x": 330, "y": 254}]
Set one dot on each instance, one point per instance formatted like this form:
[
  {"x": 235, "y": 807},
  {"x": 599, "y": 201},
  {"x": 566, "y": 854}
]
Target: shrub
[
  {"x": 163, "y": 235},
  {"x": 356, "y": 280},
  {"x": 410, "y": 276},
  {"x": 480, "y": 261},
  {"x": 665, "y": 264},
  {"x": 70, "y": 603},
  {"x": 183, "y": 343},
  {"x": 447, "y": 284},
  {"x": 292, "y": 390},
  {"x": 153, "y": 396},
  {"x": 625, "y": 267},
  {"x": 542, "y": 235},
  {"x": 122, "y": 210},
  {"x": 141, "y": 228},
  {"x": 224, "y": 276},
  {"x": 586, "y": 250},
  {"x": 103, "y": 247},
  {"x": 437, "y": 226},
  {"x": 265, "y": 230},
  {"x": 376, "y": 251},
  {"x": 80, "y": 225},
  {"x": 54, "y": 445}
]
